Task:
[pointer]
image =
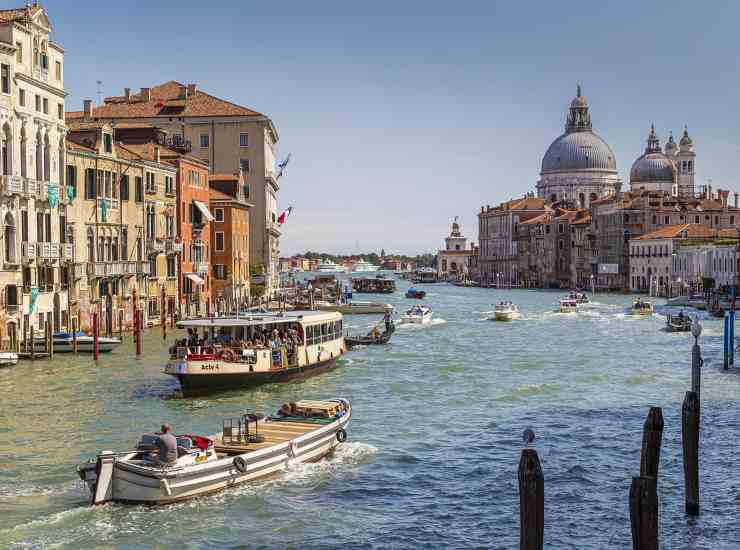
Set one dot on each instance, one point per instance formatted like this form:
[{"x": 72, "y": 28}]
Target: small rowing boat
[
  {"x": 505, "y": 311},
  {"x": 641, "y": 307},
  {"x": 568, "y": 305},
  {"x": 248, "y": 448},
  {"x": 678, "y": 323}
]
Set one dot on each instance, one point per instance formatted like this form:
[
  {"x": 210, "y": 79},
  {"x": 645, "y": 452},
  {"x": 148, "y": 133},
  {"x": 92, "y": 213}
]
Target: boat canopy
[{"x": 266, "y": 319}]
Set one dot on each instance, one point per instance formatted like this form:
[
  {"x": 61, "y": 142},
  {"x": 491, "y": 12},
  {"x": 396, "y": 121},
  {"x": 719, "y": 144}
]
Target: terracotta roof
[
  {"x": 582, "y": 219},
  {"x": 692, "y": 231},
  {"x": 542, "y": 218},
  {"x": 18, "y": 14},
  {"x": 165, "y": 102}
]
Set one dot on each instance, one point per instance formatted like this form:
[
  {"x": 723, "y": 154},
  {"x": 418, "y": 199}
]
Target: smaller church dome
[
  {"x": 670, "y": 146},
  {"x": 653, "y": 165},
  {"x": 685, "y": 139}
]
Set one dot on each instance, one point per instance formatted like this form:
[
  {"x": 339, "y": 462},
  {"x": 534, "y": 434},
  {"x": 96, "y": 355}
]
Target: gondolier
[{"x": 388, "y": 320}]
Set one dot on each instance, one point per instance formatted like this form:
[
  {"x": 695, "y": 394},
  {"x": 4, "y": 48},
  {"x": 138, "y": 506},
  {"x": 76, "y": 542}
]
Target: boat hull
[
  {"x": 193, "y": 383},
  {"x": 504, "y": 315},
  {"x": 84, "y": 345},
  {"x": 347, "y": 309}
]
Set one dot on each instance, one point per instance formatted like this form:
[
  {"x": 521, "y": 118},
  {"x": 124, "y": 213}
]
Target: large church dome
[
  {"x": 579, "y": 148},
  {"x": 653, "y": 165}
]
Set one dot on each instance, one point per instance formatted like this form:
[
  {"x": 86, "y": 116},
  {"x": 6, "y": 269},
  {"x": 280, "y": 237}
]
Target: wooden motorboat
[
  {"x": 248, "y": 448},
  {"x": 64, "y": 342},
  {"x": 371, "y": 339},
  {"x": 678, "y": 323},
  {"x": 568, "y": 305},
  {"x": 416, "y": 294},
  {"x": 505, "y": 311},
  {"x": 232, "y": 352},
  {"x": 640, "y": 307},
  {"x": 356, "y": 307},
  {"x": 420, "y": 315},
  {"x": 8, "y": 358}
]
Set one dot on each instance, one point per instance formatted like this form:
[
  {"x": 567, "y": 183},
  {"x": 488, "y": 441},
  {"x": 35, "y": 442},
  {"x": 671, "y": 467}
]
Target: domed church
[
  {"x": 579, "y": 166},
  {"x": 670, "y": 171}
]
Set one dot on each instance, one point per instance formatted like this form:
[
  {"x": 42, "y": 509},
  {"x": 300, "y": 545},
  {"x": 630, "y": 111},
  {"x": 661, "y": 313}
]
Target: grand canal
[{"x": 434, "y": 445}]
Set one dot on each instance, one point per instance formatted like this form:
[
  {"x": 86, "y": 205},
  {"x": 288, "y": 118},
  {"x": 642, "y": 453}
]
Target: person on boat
[
  {"x": 680, "y": 314},
  {"x": 387, "y": 319},
  {"x": 166, "y": 446}
]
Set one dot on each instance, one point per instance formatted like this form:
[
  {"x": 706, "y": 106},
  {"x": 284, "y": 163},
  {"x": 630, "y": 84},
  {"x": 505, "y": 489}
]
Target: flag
[{"x": 284, "y": 216}]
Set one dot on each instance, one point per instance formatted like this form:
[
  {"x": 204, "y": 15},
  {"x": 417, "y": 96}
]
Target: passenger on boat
[
  {"x": 387, "y": 319},
  {"x": 166, "y": 446},
  {"x": 680, "y": 314}
]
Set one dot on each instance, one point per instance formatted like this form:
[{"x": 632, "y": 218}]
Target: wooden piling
[
  {"x": 49, "y": 340},
  {"x": 25, "y": 334},
  {"x": 139, "y": 322},
  {"x": 531, "y": 502},
  {"x": 652, "y": 434},
  {"x": 96, "y": 336},
  {"x": 696, "y": 363},
  {"x": 643, "y": 505},
  {"x": 33, "y": 344},
  {"x": 74, "y": 336},
  {"x": 690, "y": 420}
]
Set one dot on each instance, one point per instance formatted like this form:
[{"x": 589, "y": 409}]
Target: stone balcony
[
  {"x": 28, "y": 251},
  {"x": 200, "y": 267},
  {"x": 12, "y": 185},
  {"x": 47, "y": 251},
  {"x": 116, "y": 268},
  {"x": 67, "y": 251},
  {"x": 155, "y": 246},
  {"x": 173, "y": 247}
]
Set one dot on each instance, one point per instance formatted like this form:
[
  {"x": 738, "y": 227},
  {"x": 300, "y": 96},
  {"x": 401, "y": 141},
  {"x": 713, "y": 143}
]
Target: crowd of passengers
[{"x": 287, "y": 340}]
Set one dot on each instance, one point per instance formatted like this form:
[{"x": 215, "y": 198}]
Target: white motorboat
[
  {"x": 505, "y": 311},
  {"x": 356, "y": 307},
  {"x": 641, "y": 307},
  {"x": 364, "y": 267},
  {"x": 327, "y": 266},
  {"x": 568, "y": 305},
  {"x": 248, "y": 448},
  {"x": 8, "y": 358},
  {"x": 64, "y": 343},
  {"x": 420, "y": 315}
]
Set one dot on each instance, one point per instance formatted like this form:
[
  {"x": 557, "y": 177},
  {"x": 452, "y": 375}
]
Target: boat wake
[{"x": 432, "y": 323}]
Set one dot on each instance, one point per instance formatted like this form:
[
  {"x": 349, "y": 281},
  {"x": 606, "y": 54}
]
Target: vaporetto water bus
[{"x": 230, "y": 352}]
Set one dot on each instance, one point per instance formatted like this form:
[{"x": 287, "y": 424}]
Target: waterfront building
[
  {"x": 453, "y": 261},
  {"x": 712, "y": 261},
  {"x": 226, "y": 137},
  {"x": 579, "y": 166},
  {"x": 583, "y": 263},
  {"x": 497, "y": 228},
  {"x": 34, "y": 275},
  {"x": 120, "y": 222},
  {"x": 230, "y": 238}
]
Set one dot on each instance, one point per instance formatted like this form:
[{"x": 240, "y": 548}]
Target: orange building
[{"x": 230, "y": 238}]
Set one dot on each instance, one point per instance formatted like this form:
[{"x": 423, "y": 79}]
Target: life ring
[
  {"x": 228, "y": 355},
  {"x": 240, "y": 464},
  {"x": 341, "y": 435}
]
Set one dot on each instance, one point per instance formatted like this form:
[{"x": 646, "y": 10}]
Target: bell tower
[{"x": 685, "y": 160}]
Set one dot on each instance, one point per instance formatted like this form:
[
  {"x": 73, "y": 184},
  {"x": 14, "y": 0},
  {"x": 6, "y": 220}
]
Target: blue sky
[{"x": 402, "y": 115}]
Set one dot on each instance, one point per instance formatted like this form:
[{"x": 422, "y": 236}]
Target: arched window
[
  {"x": 47, "y": 161},
  {"x": 39, "y": 156},
  {"x": 10, "y": 235},
  {"x": 90, "y": 245},
  {"x": 114, "y": 249},
  {"x": 24, "y": 153},
  {"x": 101, "y": 249},
  {"x": 107, "y": 249},
  {"x": 7, "y": 150}
]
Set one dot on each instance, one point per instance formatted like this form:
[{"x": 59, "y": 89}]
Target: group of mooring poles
[{"x": 643, "y": 493}]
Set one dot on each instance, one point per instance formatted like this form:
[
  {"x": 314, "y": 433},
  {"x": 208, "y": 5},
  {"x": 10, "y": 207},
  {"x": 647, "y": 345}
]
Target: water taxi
[
  {"x": 250, "y": 447},
  {"x": 64, "y": 342},
  {"x": 678, "y": 323},
  {"x": 505, "y": 311},
  {"x": 642, "y": 308},
  {"x": 420, "y": 315},
  {"x": 230, "y": 352},
  {"x": 568, "y": 305},
  {"x": 374, "y": 285}
]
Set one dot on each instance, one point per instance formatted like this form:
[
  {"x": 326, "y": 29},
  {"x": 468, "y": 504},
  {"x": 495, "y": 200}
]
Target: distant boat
[
  {"x": 64, "y": 343},
  {"x": 579, "y": 297},
  {"x": 330, "y": 267},
  {"x": 8, "y": 358},
  {"x": 642, "y": 308},
  {"x": 568, "y": 305},
  {"x": 505, "y": 311},
  {"x": 678, "y": 323},
  {"x": 420, "y": 315},
  {"x": 364, "y": 267},
  {"x": 356, "y": 307},
  {"x": 417, "y": 294}
]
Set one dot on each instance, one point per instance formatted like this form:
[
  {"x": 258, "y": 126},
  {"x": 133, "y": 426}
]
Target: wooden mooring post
[
  {"x": 652, "y": 434},
  {"x": 33, "y": 344},
  {"x": 690, "y": 421},
  {"x": 49, "y": 339},
  {"x": 531, "y": 502},
  {"x": 643, "y": 505},
  {"x": 74, "y": 336},
  {"x": 139, "y": 321},
  {"x": 96, "y": 336}
]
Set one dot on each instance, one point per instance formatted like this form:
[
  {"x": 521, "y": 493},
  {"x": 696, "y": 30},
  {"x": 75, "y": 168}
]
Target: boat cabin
[{"x": 374, "y": 285}]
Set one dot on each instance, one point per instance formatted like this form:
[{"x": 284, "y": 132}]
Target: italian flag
[{"x": 284, "y": 216}]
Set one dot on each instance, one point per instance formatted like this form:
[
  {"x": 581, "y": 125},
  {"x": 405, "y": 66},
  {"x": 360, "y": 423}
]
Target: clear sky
[{"x": 401, "y": 115}]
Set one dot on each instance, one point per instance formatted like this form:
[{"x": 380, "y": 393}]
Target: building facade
[{"x": 453, "y": 261}]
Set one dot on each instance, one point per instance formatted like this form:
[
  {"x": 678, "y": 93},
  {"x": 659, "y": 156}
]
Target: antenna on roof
[{"x": 100, "y": 91}]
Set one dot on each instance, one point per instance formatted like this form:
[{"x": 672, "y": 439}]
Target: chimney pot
[
  {"x": 87, "y": 108},
  {"x": 127, "y": 94},
  {"x": 146, "y": 94},
  {"x": 191, "y": 89}
]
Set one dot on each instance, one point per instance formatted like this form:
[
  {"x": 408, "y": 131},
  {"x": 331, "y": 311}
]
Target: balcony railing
[
  {"x": 111, "y": 269},
  {"x": 172, "y": 247},
  {"x": 68, "y": 251},
  {"x": 155, "y": 246},
  {"x": 28, "y": 251},
  {"x": 200, "y": 267},
  {"x": 179, "y": 143},
  {"x": 12, "y": 185},
  {"x": 48, "y": 251}
]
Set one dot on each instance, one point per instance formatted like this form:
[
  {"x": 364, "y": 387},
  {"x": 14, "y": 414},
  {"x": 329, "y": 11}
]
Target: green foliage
[{"x": 422, "y": 260}]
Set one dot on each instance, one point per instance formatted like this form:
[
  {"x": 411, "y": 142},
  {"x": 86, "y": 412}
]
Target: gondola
[
  {"x": 676, "y": 323},
  {"x": 383, "y": 338}
]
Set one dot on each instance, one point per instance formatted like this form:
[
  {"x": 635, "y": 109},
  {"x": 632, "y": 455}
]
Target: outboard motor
[{"x": 103, "y": 491}]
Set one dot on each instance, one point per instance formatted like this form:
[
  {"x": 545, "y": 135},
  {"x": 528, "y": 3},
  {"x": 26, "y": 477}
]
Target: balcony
[
  {"x": 271, "y": 179},
  {"x": 113, "y": 269},
  {"x": 68, "y": 251},
  {"x": 200, "y": 267},
  {"x": 173, "y": 247},
  {"x": 155, "y": 246},
  {"x": 47, "y": 251},
  {"x": 273, "y": 229},
  {"x": 12, "y": 185},
  {"x": 28, "y": 251},
  {"x": 179, "y": 143}
]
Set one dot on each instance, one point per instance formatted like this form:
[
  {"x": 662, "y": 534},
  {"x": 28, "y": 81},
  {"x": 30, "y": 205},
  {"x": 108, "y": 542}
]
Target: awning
[
  {"x": 193, "y": 277},
  {"x": 204, "y": 210}
]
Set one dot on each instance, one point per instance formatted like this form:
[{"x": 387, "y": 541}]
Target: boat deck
[{"x": 274, "y": 432}]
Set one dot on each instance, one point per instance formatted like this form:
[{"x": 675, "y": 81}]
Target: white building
[
  {"x": 453, "y": 261},
  {"x": 694, "y": 263},
  {"x": 32, "y": 151}
]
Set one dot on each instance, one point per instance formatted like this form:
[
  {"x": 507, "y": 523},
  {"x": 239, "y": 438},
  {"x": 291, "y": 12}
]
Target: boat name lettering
[{"x": 209, "y": 367}]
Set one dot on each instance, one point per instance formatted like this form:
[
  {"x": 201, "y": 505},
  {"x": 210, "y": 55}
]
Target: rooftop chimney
[
  {"x": 146, "y": 94},
  {"x": 191, "y": 89},
  {"x": 87, "y": 108},
  {"x": 127, "y": 94},
  {"x": 183, "y": 93}
]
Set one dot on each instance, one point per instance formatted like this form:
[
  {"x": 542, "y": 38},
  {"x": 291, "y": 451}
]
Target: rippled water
[{"x": 434, "y": 444}]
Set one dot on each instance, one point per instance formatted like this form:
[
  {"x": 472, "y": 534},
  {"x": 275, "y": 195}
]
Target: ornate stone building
[
  {"x": 579, "y": 166},
  {"x": 453, "y": 261},
  {"x": 670, "y": 171}
]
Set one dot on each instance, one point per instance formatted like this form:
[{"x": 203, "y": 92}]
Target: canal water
[{"x": 433, "y": 450}]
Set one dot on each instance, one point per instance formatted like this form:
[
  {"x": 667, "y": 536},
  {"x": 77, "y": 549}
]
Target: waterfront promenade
[{"x": 434, "y": 446}]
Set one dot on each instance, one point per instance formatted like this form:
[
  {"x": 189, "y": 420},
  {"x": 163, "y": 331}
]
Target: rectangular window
[
  {"x": 44, "y": 61},
  {"x": 59, "y": 70},
  {"x": 219, "y": 214},
  {"x": 24, "y": 226},
  {"x": 150, "y": 185},
  {"x": 90, "y": 184},
  {"x": 60, "y": 111},
  {"x": 5, "y": 78},
  {"x": 19, "y": 52},
  {"x": 46, "y": 106},
  {"x": 243, "y": 140},
  {"x": 169, "y": 185},
  {"x": 47, "y": 233},
  {"x": 219, "y": 272},
  {"x": 38, "y": 103},
  {"x": 219, "y": 241},
  {"x": 204, "y": 141},
  {"x": 139, "y": 189},
  {"x": 124, "y": 188},
  {"x": 21, "y": 97},
  {"x": 171, "y": 267},
  {"x": 108, "y": 143},
  {"x": 62, "y": 229},
  {"x": 244, "y": 165},
  {"x": 72, "y": 177}
]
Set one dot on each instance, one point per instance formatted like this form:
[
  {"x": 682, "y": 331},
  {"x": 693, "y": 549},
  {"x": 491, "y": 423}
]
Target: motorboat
[
  {"x": 568, "y": 305},
  {"x": 579, "y": 297},
  {"x": 8, "y": 358},
  {"x": 248, "y": 448},
  {"x": 420, "y": 315},
  {"x": 505, "y": 311},
  {"x": 327, "y": 266},
  {"x": 426, "y": 275},
  {"x": 64, "y": 342},
  {"x": 375, "y": 337},
  {"x": 364, "y": 267},
  {"x": 678, "y": 323},
  {"x": 416, "y": 294},
  {"x": 223, "y": 353},
  {"x": 373, "y": 285},
  {"x": 641, "y": 307},
  {"x": 356, "y": 307}
]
